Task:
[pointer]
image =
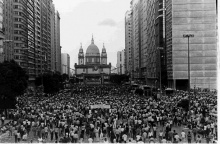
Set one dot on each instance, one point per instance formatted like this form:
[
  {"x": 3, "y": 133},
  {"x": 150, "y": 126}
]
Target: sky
[{"x": 80, "y": 19}]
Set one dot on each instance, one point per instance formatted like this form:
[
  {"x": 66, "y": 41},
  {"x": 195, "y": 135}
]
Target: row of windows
[
  {"x": 18, "y": 7},
  {"x": 93, "y": 70},
  {"x": 92, "y": 60}
]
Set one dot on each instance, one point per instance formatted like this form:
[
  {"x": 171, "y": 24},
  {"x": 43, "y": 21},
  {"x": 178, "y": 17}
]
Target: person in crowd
[{"x": 130, "y": 117}]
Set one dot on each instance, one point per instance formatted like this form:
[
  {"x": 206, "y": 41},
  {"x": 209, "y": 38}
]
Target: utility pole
[
  {"x": 160, "y": 48},
  {"x": 188, "y": 36}
]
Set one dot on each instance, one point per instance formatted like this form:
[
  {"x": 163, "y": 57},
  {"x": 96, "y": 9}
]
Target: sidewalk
[{"x": 6, "y": 121}]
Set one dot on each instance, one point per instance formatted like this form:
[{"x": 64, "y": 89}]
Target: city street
[
  {"x": 109, "y": 71},
  {"x": 63, "y": 106}
]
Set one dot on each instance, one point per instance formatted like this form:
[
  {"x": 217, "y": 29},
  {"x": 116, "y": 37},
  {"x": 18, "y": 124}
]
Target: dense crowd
[{"x": 69, "y": 117}]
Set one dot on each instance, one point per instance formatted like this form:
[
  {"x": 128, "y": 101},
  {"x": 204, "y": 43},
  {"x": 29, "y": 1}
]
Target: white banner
[{"x": 102, "y": 106}]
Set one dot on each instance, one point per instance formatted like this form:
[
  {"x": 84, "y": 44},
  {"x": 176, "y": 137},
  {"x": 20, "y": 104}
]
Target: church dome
[{"x": 92, "y": 50}]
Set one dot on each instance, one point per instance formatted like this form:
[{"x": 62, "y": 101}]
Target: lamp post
[
  {"x": 188, "y": 36},
  {"x": 137, "y": 70},
  {"x": 146, "y": 55},
  {"x": 160, "y": 48}
]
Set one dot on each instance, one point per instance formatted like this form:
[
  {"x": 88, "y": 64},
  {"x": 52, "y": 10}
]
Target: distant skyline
[{"x": 82, "y": 18}]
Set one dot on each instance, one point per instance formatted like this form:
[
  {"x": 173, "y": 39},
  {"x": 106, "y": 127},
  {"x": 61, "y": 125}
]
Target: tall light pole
[
  {"x": 188, "y": 36},
  {"x": 160, "y": 48},
  {"x": 146, "y": 55},
  {"x": 137, "y": 69}
]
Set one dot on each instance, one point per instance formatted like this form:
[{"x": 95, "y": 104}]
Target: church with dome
[{"x": 92, "y": 67}]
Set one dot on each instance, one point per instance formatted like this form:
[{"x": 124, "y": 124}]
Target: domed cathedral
[{"x": 92, "y": 68}]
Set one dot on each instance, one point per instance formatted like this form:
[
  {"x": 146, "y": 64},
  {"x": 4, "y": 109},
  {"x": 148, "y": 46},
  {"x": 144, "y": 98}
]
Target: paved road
[{"x": 10, "y": 139}]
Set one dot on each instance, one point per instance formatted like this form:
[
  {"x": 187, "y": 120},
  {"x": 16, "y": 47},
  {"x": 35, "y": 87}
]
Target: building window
[{"x": 83, "y": 70}]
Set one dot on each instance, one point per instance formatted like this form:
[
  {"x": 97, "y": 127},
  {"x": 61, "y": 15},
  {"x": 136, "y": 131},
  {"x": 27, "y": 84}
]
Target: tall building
[
  {"x": 136, "y": 38},
  {"x": 30, "y": 35},
  {"x": 46, "y": 34},
  {"x": 8, "y": 23},
  {"x": 65, "y": 62},
  {"x": 128, "y": 44},
  {"x": 53, "y": 38},
  {"x": 2, "y": 35},
  {"x": 200, "y": 19},
  {"x": 146, "y": 19},
  {"x": 120, "y": 62},
  {"x": 38, "y": 49},
  {"x": 57, "y": 43},
  {"x": 24, "y": 36},
  {"x": 92, "y": 68}
]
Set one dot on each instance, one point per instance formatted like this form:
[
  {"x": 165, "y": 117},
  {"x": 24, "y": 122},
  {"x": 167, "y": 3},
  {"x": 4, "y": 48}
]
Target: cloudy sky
[{"x": 82, "y": 18}]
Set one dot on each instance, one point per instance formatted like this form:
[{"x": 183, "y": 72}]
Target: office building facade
[
  {"x": 198, "y": 18},
  {"x": 128, "y": 44},
  {"x": 8, "y": 28},
  {"x": 121, "y": 62},
  {"x": 57, "y": 43},
  {"x": 65, "y": 62},
  {"x": 147, "y": 30},
  {"x": 30, "y": 35},
  {"x": 2, "y": 33}
]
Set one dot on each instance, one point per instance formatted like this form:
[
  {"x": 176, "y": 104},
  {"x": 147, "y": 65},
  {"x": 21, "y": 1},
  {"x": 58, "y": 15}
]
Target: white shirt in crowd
[
  {"x": 90, "y": 140},
  {"x": 183, "y": 134}
]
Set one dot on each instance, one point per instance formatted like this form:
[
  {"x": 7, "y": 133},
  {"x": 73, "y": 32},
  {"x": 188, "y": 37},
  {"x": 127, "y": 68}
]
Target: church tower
[
  {"x": 104, "y": 56},
  {"x": 81, "y": 56}
]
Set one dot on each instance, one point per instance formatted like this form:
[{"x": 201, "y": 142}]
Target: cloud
[{"x": 108, "y": 22}]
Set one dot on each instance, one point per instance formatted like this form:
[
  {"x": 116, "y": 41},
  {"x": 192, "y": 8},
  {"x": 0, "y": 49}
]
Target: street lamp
[
  {"x": 137, "y": 70},
  {"x": 146, "y": 55},
  {"x": 160, "y": 48},
  {"x": 188, "y": 36}
]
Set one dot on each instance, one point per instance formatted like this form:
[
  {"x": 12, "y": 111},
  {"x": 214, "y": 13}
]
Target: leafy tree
[
  {"x": 118, "y": 79},
  {"x": 65, "y": 77},
  {"x": 52, "y": 82},
  {"x": 13, "y": 82}
]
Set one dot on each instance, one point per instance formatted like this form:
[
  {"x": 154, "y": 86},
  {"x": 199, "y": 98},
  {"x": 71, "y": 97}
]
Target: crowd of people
[{"x": 130, "y": 118}]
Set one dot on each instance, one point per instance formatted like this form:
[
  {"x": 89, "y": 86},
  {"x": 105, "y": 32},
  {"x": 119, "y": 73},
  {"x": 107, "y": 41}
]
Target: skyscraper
[
  {"x": 198, "y": 18},
  {"x": 24, "y": 46},
  {"x": 147, "y": 35},
  {"x": 128, "y": 43},
  {"x": 1, "y": 32},
  {"x": 65, "y": 62},
  {"x": 57, "y": 42},
  {"x": 121, "y": 62},
  {"x": 30, "y": 35},
  {"x": 8, "y": 23},
  {"x": 53, "y": 38}
]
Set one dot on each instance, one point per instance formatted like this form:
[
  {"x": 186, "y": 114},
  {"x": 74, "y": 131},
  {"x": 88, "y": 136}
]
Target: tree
[
  {"x": 65, "y": 77},
  {"x": 13, "y": 82},
  {"x": 52, "y": 82},
  {"x": 118, "y": 79}
]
